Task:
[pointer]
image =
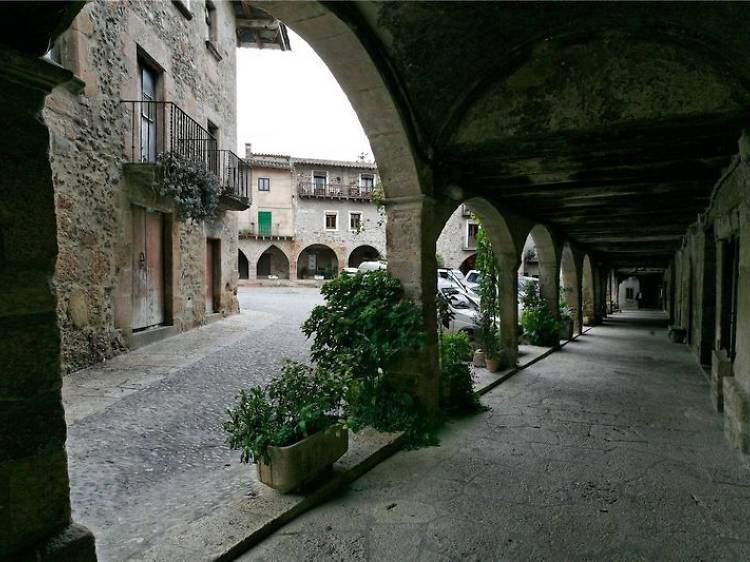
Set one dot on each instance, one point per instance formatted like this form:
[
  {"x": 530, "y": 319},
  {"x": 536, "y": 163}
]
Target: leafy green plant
[
  {"x": 540, "y": 325},
  {"x": 193, "y": 188},
  {"x": 489, "y": 304},
  {"x": 456, "y": 377},
  {"x": 365, "y": 323},
  {"x": 299, "y": 402}
]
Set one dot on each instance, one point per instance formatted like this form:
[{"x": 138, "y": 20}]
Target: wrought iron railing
[
  {"x": 273, "y": 230},
  {"x": 161, "y": 126},
  {"x": 233, "y": 173},
  {"x": 333, "y": 190}
]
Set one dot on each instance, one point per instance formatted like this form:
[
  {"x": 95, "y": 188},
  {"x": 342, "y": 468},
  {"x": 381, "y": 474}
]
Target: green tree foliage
[{"x": 489, "y": 305}]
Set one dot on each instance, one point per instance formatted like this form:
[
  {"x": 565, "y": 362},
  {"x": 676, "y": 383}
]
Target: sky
[{"x": 290, "y": 103}]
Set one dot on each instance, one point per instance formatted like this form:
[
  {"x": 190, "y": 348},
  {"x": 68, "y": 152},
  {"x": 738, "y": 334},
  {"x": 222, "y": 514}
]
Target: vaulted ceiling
[{"x": 609, "y": 122}]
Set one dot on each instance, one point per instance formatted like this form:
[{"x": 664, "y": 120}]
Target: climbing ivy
[{"x": 193, "y": 188}]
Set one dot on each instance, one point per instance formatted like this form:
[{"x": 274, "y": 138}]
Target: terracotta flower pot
[
  {"x": 290, "y": 468},
  {"x": 493, "y": 365}
]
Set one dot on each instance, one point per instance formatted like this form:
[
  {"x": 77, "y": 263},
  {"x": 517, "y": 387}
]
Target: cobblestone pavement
[
  {"x": 145, "y": 444},
  {"x": 606, "y": 450}
]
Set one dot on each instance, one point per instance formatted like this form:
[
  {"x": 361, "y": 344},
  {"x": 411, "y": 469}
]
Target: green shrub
[
  {"x": 297, "y": 403},
  {"x": 540, "y": 325},
  {"x": 456, "y": 377},
  {"x": 489, "y": 304},
  {"x": 192, "y": 187}
]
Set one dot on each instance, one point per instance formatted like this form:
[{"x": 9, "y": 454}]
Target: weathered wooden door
[
  {"x": 213, "y": 275},
  {"x": 148, "y": 268}
]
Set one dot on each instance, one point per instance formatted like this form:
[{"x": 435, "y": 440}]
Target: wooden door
[
  {"x": 148, "y": 268},
  {"x": 213, "y": 275},
  {"x": 264, "y": 223}
]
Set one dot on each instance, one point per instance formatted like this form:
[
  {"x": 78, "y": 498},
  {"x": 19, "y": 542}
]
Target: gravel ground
[{"x": 146, "y": 449}]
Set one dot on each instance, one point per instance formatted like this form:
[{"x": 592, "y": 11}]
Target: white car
[
  {"x": 366, "y": 266},
  {"x": 463, "y": 308}
]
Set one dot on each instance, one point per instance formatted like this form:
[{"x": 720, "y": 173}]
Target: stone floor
[
  {"x": 145, "y": 445},
  {"x": 606, "y": 450}
]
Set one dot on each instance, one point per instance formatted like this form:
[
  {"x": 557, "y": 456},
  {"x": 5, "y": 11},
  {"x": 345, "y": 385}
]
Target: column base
[
  {"x": 73, "y": 544},
  {"x": 736, "y": 415}
]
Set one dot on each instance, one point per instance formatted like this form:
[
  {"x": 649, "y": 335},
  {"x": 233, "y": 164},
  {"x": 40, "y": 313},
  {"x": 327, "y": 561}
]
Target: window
[
  {"x": 629, "y": 293},
  {"x": 211, "y": 21},
  {"x": 149, "y": 81},
  {"x": 366, "y": 181},
  {"x": 183, "y": 6},
  {"x": 355, "y": 222},
  {"x": 320, "y": 179},
  {"x": 212, "y": 146},
  {"x": 332, "y": 220},
  {"x": 264, "y": 184},
  {"x": 472, "y": 229}
]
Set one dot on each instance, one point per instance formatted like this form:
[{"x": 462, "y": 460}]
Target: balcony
[
  {"x": 157, "y": 127},
  {"x": 265, "y": 232},
  {"x": 308, "y": 189}
]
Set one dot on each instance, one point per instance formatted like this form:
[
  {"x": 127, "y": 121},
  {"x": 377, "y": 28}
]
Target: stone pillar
[
  {"x": 410, "y": 243},
  {"x": 34, "y": 496},
  {"x": 549, "y": 281},
  {"x": 508, "y": 264}
]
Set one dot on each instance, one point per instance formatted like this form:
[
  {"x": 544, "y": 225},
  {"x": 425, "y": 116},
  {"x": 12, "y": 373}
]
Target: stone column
[
  {"x": 508, "y": 264},
  {"x": 410, "y": 243},
  {"x": 34, "y": 496},
  {"x": 549, "y": 281}
]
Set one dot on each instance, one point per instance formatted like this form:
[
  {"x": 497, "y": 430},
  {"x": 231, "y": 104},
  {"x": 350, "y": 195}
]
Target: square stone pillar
[
  {"x": 410, "y": 243},
  {"x": 508, "y": 267},
  {"x": 721, "y": 367},
  {"x": 35, "y": 522}
]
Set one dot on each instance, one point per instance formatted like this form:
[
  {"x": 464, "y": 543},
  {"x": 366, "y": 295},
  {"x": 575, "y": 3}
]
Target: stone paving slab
[{"x": 599, "y": 452}]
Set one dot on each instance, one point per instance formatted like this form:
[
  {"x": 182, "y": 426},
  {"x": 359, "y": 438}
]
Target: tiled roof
[
  {"x": 336, "y": 163},
  {"x": 283, "y": 161}
]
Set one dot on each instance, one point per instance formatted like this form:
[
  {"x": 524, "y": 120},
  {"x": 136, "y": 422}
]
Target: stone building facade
[
  {"x": 128, "y": 270},
  {"x": 309, "y": 218}
]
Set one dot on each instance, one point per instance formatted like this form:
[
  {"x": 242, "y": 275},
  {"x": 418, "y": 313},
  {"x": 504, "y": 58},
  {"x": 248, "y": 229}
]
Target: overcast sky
[{"x": 290, "y": 103}]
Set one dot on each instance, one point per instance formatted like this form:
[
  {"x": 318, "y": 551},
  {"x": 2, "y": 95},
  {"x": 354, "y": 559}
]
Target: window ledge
[
  {"x": 214, "y": 50},
  {"x": 183, "y": 8}
]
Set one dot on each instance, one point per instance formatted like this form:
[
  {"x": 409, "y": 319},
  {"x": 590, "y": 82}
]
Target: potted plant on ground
[
  {"x": 489, "y": 303},
  {"x": 289, "y": 427},
  {"x": 539, "y": 324}
]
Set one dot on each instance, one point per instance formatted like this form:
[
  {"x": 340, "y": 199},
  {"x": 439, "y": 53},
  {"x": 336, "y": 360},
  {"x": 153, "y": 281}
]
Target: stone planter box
[
  {"x": 290, "y": 468},
  {"x": 677, "y": 335}
]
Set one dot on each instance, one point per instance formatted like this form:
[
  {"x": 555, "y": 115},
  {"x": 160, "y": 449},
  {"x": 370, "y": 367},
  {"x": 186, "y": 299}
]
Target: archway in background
[
  {"x": 362, "y": 253},
  {"x": 243, "y": 266},
  {"x": 317, "y": 259},
  {"x": 587, "y": 288},
  {"x": 570, "y": 287},
  {"x": 273, "y": 261},
  {"x": 468, "y": 264}
]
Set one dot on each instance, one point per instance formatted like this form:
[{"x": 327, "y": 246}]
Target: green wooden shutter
[{"x": 264, "y": 223}]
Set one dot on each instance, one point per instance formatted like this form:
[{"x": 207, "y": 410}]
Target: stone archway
[
  {"x": 548, "y": 267},
  {"x": 362, "y": 253},
  {"x": 243, "y": 266},
  {"x": 468, "y": 264},
  {"x": 317, "y": 260},
  {"x": 272, "y": 262}
]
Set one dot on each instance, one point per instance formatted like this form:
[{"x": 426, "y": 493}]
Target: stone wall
[
  {"x": 452, "y": 240},
  {"x": 90, "y": 137}
]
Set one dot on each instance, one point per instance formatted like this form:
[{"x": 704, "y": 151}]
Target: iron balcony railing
[
  {"x": 333, "y": 190},
  {"x": 273, "y": 230},
  {"x": 157, "y": 127}
]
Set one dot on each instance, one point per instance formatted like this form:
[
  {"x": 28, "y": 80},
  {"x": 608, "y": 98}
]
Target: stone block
[
  {"x": 721, "y": 367},
  {"x": 736, "y": 414},
  {"x": 677, "y": 335}
]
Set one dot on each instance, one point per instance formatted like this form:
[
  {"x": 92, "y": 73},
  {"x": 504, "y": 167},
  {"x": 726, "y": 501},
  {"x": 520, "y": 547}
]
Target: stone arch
[
  {"x": 587, "y": 290},
  {"x": 468, "y": 264},
  {"x": 548, "y": 263},
  {"x": 272, "y": 261},
  {"x": 571, "y": 286},
  {"x": 374, "y": 91},
  {"x": 317, "y": 259},
  {"x": 243, "y": 266},
  {"x": 362, "y": 253}
]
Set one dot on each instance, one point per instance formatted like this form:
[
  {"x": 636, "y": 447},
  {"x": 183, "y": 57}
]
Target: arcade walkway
[{"x": 606, "y": 450}]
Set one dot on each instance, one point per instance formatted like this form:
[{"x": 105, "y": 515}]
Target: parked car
[
  {"x": 349, "y": 271},
  {"x": 472, "y": 279},
  {"x": 366, "y": 266},
  {"x": 464, "y": 310}
]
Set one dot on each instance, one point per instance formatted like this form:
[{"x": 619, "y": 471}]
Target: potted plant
[
  {"x": 539, "y": 324},
  {"x": 289, "y": 427}
]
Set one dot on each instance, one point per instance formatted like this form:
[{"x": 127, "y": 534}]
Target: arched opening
[
  {"x": 317, "y": 260},
  {"x": 362, "y": 253},
  {"x": 587, "y": 288},
  {"x": 569, "y": 287},
  {"x": 243, "y": 266},
  {"x": 273, "y": 263},
  {"x": 468, "y": 264}
]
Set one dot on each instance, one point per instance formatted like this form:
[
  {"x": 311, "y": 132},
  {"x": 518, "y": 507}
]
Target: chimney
[{"x": 248, "y": 149}]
